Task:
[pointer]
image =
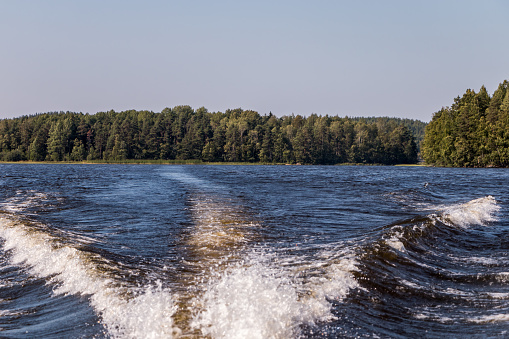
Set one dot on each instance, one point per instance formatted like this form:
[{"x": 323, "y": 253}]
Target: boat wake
[
  {"x": 125, "y": 311},
  {"x": 233, "y": 286}
]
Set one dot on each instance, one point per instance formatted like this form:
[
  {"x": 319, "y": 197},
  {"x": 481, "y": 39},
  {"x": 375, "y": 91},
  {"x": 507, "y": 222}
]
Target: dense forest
[
  {"x": 184, "y": 133},
  {"x": 416, "y": 127},
  {"x": 473, "y": 132}
]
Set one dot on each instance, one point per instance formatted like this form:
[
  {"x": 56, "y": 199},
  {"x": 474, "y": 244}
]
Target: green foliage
[
  {"x": 416, "y": 127},
  {"x": 473, "y": 132},
  {"x": 183, "y": 134}
]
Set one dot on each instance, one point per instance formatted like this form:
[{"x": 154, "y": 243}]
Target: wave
[
  {"x": 23, "y": 200},
  {"x": 493, "y": 318},
  {"x": 475, "y": 212},
  {"x": 224, "y": 287},
  {"x": 479, "y": 212},
  {"x": 256, "y": 299},
  {"x": 428, "y": 260},
  {"x": 243, "y": 290},
  {"x": 232, "y": 286},
  {"x": 125, "y": 312}
]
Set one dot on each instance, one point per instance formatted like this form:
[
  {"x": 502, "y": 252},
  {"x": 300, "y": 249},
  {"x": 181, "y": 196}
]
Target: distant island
[
  {"x": 473, "y": 132},
  {"x": 182, "y": 133}
]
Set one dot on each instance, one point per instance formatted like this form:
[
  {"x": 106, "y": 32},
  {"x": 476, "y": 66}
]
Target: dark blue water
[{"x": 136, "y": 251}]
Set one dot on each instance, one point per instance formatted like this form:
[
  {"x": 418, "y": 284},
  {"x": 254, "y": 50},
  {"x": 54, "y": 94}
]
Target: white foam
[
  {"x": 393, "y": 238},
  {"x": 249, "y": 302},
  {"x": 12, "y": 313},
  {"x": 256, "y": 297},
  {"x": 23, "y": 200},
  {"x": 502, "y": 276},
  {"x": 498, "y": 295},
  {"x": 476, "y": 260},
  {"x": 411, "y": 284},
  {"x": 255, "y": 300},
  {"x": 336, "y": 280},
  {"x": 493, "y": 318},
  {"x": 475, "y": 212},
  {"x": 146, "y": 315},
  {"x": 395, "y": 243},
  {"x": 429, "y": 316},
  {"x": 449, "y": 291}
]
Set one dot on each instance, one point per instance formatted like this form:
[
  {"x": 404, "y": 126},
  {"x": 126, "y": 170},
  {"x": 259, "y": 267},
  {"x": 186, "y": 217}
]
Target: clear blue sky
[{"x": 356, "y": 58}]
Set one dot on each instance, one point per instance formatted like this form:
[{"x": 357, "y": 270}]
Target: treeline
[
  {"x": 473, "y": 132},
  {"x": 183, "y": 133},
  {"x": 416, "y": 127}
]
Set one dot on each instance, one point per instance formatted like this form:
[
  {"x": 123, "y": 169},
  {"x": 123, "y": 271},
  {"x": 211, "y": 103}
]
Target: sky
[{"x": 394, "y": 58}]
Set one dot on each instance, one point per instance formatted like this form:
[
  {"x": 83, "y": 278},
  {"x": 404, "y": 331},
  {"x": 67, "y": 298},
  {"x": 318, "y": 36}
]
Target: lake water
[{"x": 146, "y": 251}]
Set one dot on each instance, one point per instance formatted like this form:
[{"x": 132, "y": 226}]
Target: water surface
[{"x": 253, "y": 251}]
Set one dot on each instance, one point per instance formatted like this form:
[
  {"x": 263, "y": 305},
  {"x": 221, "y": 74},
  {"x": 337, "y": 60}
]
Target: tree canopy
[
  {"x": 473, "y": 132},
  {"x": 184, "y": 133}
]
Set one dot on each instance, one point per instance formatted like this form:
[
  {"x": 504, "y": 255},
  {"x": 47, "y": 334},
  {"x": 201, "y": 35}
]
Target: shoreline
[{"x": 188, "y": 162}]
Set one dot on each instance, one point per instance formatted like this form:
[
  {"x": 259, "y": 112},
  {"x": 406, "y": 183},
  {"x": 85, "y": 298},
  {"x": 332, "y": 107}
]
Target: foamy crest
[
  {"x": 426, "y": 315},
  {"x": 475, "y": 212},
  {"x": 255, "y": 300},
  {"x": 23, "y": 200},
  {"x": 498, "y": 295},
  {"x": 146, "y": 315},
  {"x": 249, "y": 302},
  {"x": 335, "y": 280},
  {"x": 394, "y": 239},
  {"x": 493, "y": 318},
  {"x": 476, "y": 260},
  {"x": 396, "y": 244},
  {"x": 502, "y": 277}
]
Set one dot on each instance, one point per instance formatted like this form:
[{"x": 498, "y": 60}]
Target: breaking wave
[
  {"x": 125, "y": 311},
  {"x": 240, "y": 289}
]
